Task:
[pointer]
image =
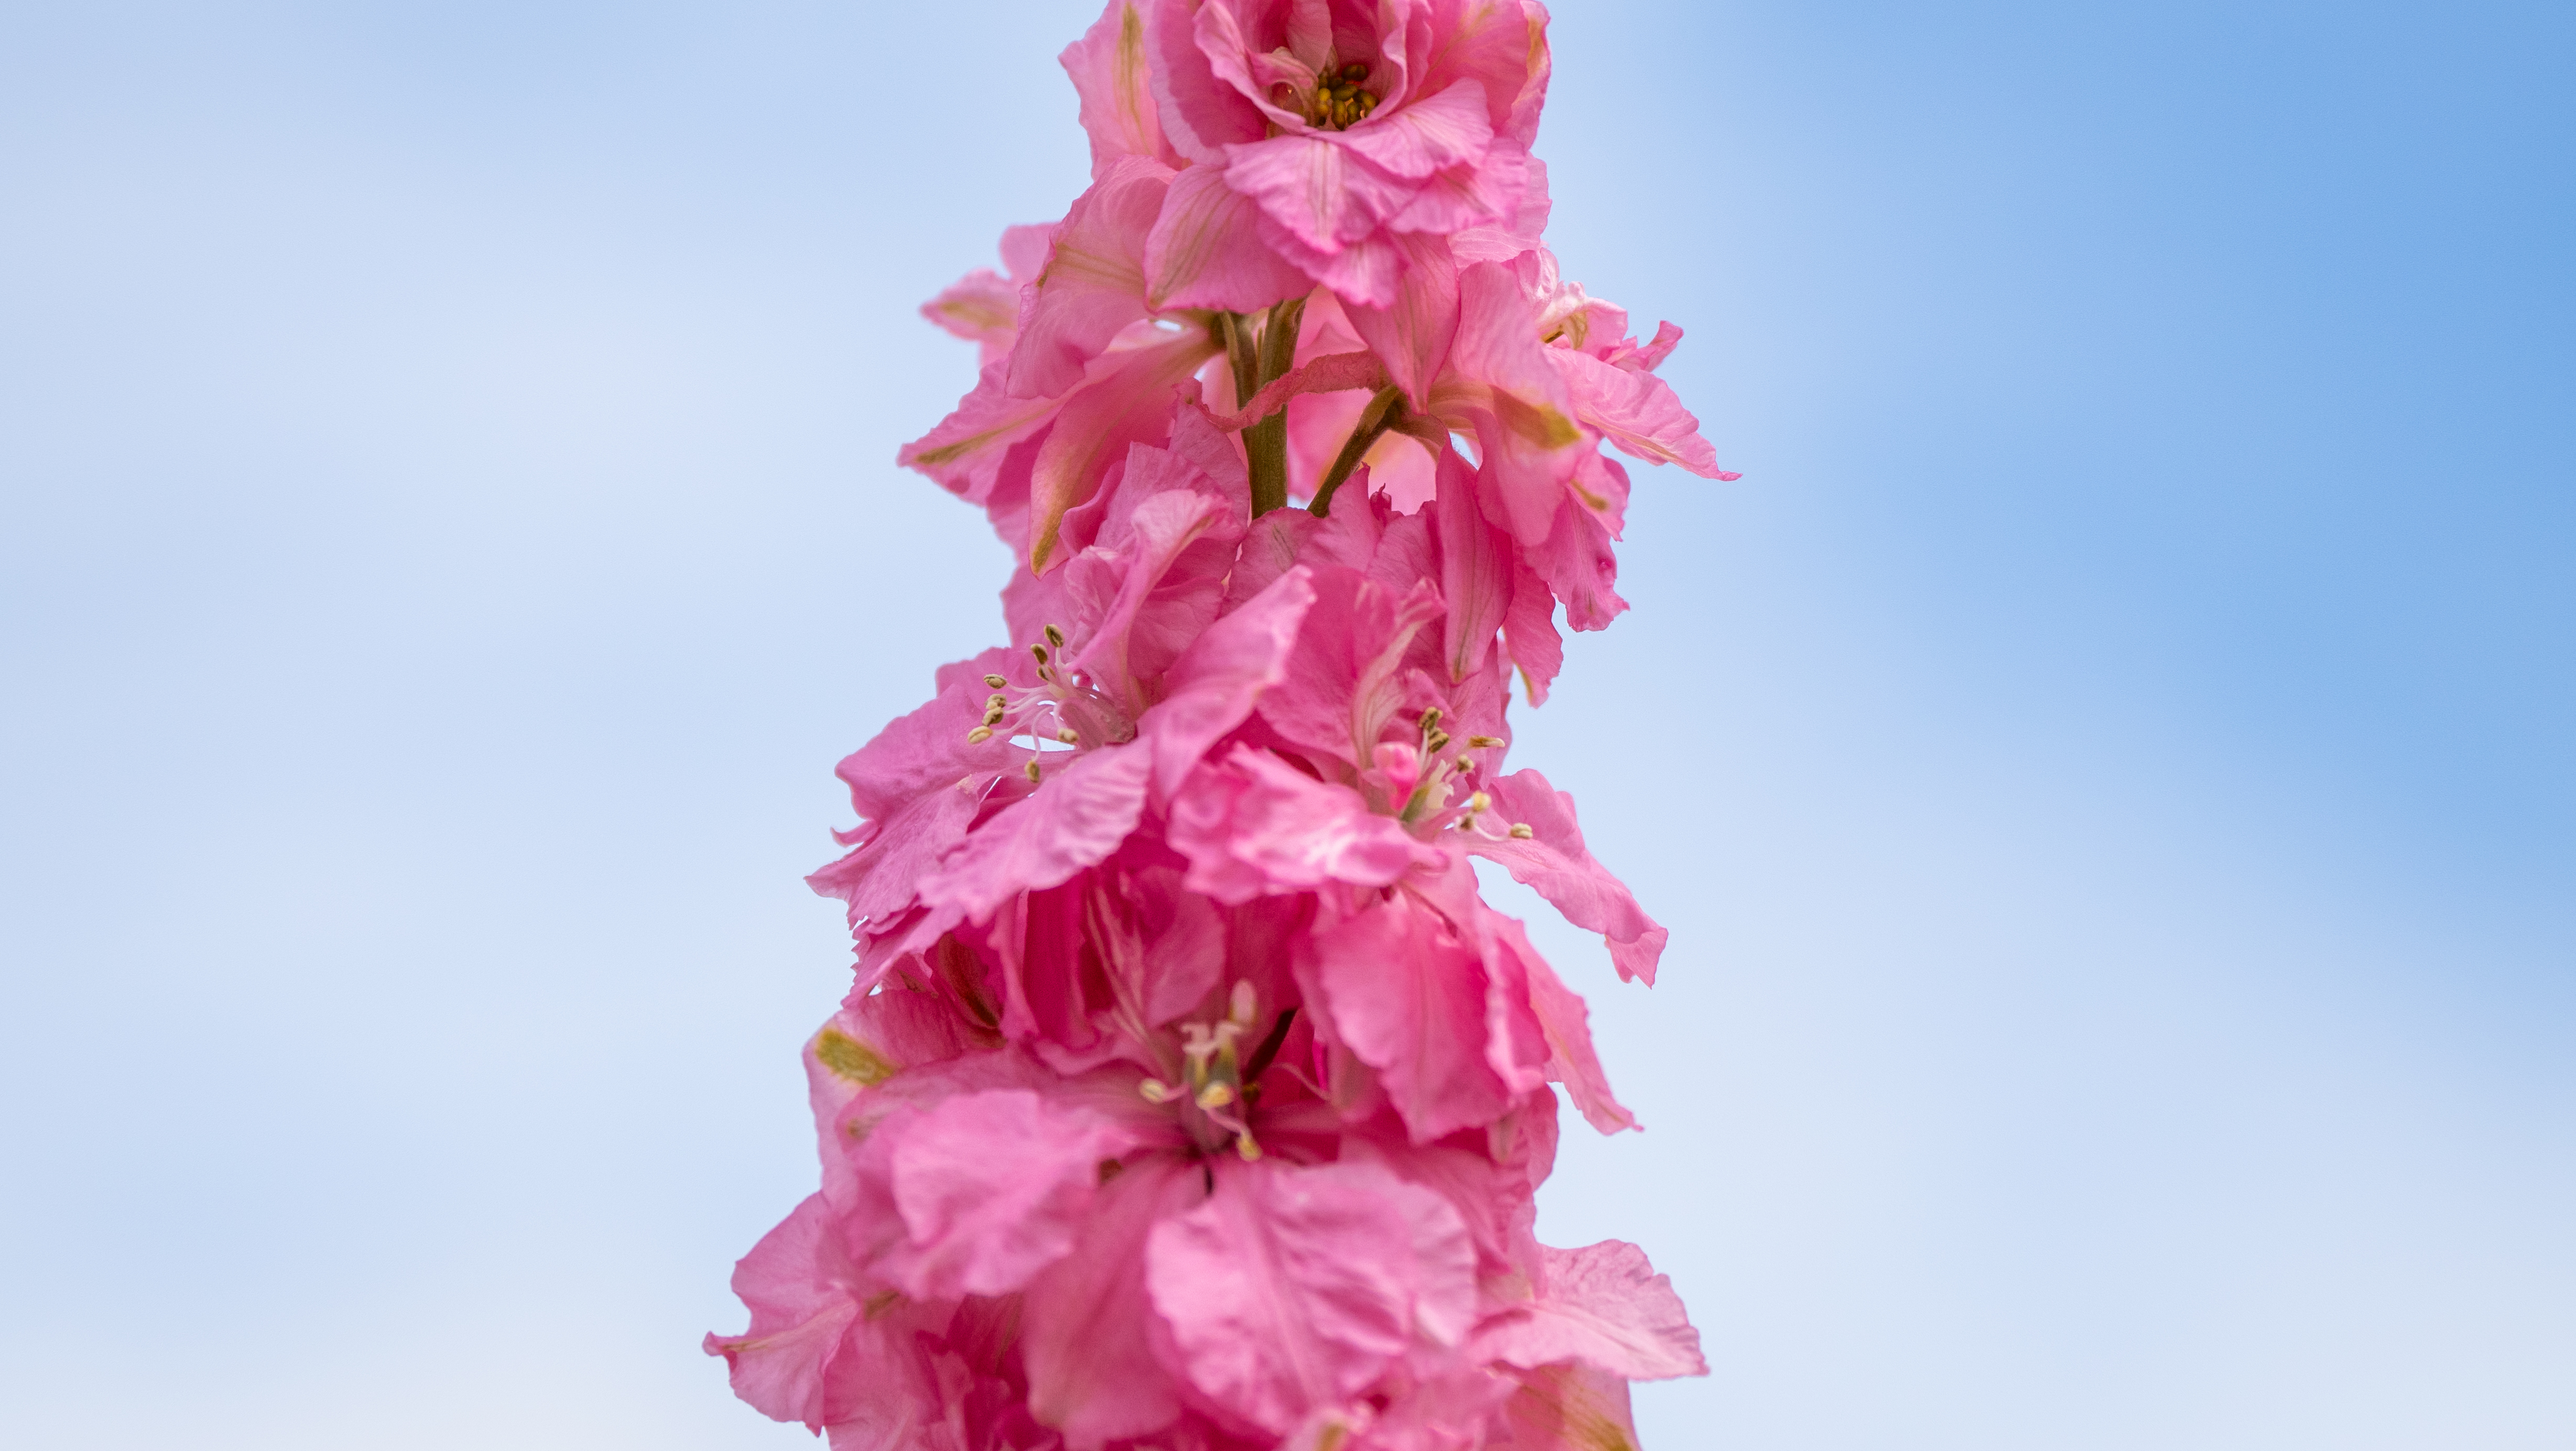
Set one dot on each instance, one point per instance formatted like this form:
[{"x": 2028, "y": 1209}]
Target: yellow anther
[
  {"x": 1040, "y": 652},
  {"x": 1157, "y": 1091},
  {"x": 1031, "y": 771},
  {"x": 979, "y": 735},
  {"x": 1066, "y": 735},
  {"x": 993, "y": 715},
  {"x": 1430, "y": 720},
  {"x": 1483, "y": 743},
  {"x": 1055, "y": 637},
  {"x": 1521, "y": 831},
  {"x": 1479, "y": 802},
  {"x": 1215, "y": 1096},
  {"x": 1436, "y": 742},
  {"x": 1355, "y": 72},
  {"x": 1244, "y": 1146},
  {"x": 995, "y": 681}
]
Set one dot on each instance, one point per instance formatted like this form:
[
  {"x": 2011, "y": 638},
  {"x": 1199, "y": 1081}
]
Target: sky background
[{"x": 2109, "y": 767}]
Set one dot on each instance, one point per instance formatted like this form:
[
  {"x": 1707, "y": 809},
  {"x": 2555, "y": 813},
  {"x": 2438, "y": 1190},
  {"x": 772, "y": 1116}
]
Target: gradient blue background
[{"x": 2109, "y": 767}]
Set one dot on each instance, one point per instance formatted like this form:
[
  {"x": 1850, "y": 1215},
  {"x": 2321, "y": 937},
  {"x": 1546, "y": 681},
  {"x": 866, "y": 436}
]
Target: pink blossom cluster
[{"x": 1189, "y": 1096}]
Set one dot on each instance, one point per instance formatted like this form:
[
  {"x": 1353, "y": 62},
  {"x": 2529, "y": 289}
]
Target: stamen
[
  {"x": 1031, "y": 771},
  {"x": 1430, "y": 720},
  {"x": 1156, "y": 1090},
  {"x": 979, "y": 735},
  {"x": 1521, "y": 831},
  {"x": 1067, "y": 735},
  {"x": 1484, "y": 743},
  {"x": 1055, "y": 637},
  {"x": 1215, "y": 1096},
  {"x": 1039, "y": 651},
  {"x": 996, "y": 681}
]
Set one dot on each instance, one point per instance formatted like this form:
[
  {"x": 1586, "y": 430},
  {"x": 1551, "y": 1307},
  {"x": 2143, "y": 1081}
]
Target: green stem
[
  {"x": 1265, "y": 444},
  {"x": 1382, "y": 413}
]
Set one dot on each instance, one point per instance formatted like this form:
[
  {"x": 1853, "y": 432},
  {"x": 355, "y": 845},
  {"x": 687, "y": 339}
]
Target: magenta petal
[{"x": 1291, "y": 1290}]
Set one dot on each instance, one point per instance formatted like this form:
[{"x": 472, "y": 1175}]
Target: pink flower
[{"x": 1350, "y": 133}]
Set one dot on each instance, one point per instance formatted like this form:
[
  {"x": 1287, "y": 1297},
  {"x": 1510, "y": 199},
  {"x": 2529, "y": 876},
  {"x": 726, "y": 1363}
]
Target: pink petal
[
  {"x": 1565, "y": 1025},
  {"x": 1637, "y": 411},
  {"x": 1112, "y": 73},
  {"x": 1604, "y": 1306},
  {"x": 1474, "y": 570},
  {"x": 1216, "y": 682},
  {"x": 1316, "y": 187},
  {"x": 1414, "y": 332},
  {"x": 1093, "y": 285},
  {"x": 1086, "y": 1326},
  {"x": 1408, "y": 997},
  {"x": 1201, "y": 113},
  {"x": 980, "y": 307},
  {"x": 1078, "y": 814},
  {"x": 1125, "y": 397},
  {"x": 1554, "y": 862},
  {"x": 1291, "y": 1290},
  {"x": 798, "y": 1290},
  {"x": 964, "y": 453},
  {"x": 1206, "y": 251},
  {"x": 990, "y": 1189},
  {"x": 1424, "y": 136},
  {"x": 1529, "y": 633},
  {"x": 1260, "y": 825}
]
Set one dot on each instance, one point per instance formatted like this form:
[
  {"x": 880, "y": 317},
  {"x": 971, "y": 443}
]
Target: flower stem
[
  {"x": 1265, "y": 444},
  {"x": 1382, "y": 413}
]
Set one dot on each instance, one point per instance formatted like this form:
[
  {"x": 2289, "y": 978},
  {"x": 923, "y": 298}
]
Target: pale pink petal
[
  {"x": 1316, "y": 187},
  {"x": 1093, "y": 285},
  {"x": 1428, "y": 134},
  {"x": 1206, "y": 251},
  {"x": 1413, "y": 333},
  {"x": 1408, "y": 997},
  {"x": 965, "y": 452},
  {"x": 1576, "y": 559},
  {"x": 1553, "y": 861},
  {"x": 1529, "y": 633},
  {"x": 1523, "y": 416},
  {"x": 1078, "y": 814},
  {"x": 1570, "y": 1407},
  {"x": 1113, "y": 74},
  {"x": 1345, "y": 679},
  {"x": 1291, "y": 1290},
  {"x": 983, "y": 308},
  {"x": 1201, "y": 114},
  {"x": 1605, "y": 1306},
  {"x": 1126, "y": 397},
  {"x": 1637, "y": 411},
  {"x": 1475, "y": 574}
]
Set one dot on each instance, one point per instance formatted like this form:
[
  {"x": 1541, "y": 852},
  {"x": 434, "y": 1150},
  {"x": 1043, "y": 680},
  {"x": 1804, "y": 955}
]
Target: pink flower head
[
  {"x": 1188, "y": 1095},
  {"x": 1348, "y": 133}
]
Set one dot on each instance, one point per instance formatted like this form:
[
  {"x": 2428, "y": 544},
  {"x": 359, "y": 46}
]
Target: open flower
[{"x": 1351, "y": 130}]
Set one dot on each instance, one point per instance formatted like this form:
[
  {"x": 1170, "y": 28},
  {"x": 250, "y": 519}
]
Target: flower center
[
  {"x": 1061, "y": 710},
  {"x": 1337, "y": 102},
  {"x": 1220, "y": 1074}
]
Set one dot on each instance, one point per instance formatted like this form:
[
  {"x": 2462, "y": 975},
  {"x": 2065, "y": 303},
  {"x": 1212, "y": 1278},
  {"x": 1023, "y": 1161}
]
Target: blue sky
[{"x": 2109, "y": 766}]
